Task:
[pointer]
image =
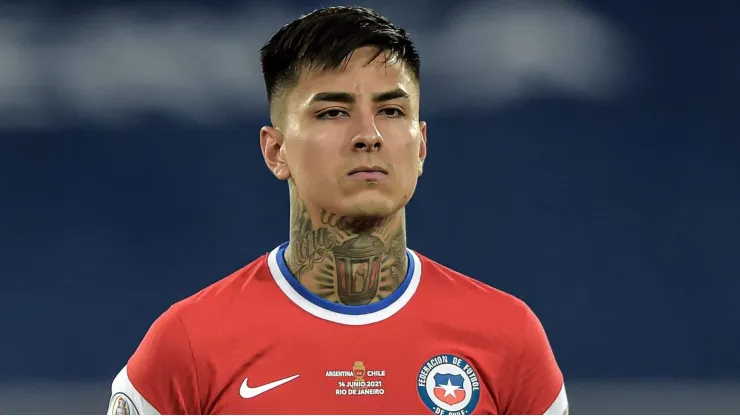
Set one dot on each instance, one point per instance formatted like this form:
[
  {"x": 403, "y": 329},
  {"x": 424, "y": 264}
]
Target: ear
[
  {"x": 271, "y": 143},
  {"x": 422, "y": 145}
]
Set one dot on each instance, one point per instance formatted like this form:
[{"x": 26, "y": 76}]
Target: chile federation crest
[{"x": 448, "y": 385}]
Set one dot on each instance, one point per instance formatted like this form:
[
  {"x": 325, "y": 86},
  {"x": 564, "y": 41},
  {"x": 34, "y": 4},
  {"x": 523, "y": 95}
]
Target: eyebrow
[{"x": 349, "y": 98}]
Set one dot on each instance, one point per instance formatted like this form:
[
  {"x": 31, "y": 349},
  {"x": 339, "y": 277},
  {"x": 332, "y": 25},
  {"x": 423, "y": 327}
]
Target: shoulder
[
  {"x": 164, "y": 369},
  {"x": 244, "y": 282},
  {"x": 477, "y": 295},
  {"x": 185, "y": 321},
  {"x": 503, "y": 319},
  {"x": 208, "y": 314},
  {"x": 198, "y": 312}
]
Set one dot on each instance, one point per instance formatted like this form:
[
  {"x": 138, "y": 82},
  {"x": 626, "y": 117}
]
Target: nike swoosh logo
[{"x": 249, "y": 392}]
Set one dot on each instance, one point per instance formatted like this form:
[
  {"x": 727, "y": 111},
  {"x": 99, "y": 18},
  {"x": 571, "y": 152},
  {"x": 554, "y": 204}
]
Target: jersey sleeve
[
  {"x": 126, "y": 400},
  {"x": 537, "y": 385},
  {"x": 161, "y": 377}
]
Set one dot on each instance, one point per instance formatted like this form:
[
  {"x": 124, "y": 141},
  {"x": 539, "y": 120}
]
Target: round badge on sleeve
[
  {"x": 120, "y": 404},
  {"x": 448, "y": 384}
]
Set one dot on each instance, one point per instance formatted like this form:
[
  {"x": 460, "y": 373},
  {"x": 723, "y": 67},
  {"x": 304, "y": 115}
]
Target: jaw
[{"x": 368, "y": 203}]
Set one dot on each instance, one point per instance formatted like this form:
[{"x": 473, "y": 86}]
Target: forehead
[{"x": 361, "y": 75}]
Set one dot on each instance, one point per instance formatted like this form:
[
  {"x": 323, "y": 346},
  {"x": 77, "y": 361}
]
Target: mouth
[{"x": 368, "y": 170}]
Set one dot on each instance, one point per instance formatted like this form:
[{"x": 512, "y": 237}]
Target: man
[{"x": 343, "y": 318}]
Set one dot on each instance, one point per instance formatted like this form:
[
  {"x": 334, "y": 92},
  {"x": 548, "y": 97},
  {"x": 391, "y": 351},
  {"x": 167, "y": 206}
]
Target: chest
[{"x": 378, "y": 369}]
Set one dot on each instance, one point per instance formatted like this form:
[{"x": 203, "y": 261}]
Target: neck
[{"x": 351, "y": 261}]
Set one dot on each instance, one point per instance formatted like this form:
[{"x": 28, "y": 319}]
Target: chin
[{"x": 377, "y": 206}]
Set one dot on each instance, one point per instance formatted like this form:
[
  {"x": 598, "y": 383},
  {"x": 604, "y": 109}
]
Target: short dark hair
[{"x": 325, "y": 39}]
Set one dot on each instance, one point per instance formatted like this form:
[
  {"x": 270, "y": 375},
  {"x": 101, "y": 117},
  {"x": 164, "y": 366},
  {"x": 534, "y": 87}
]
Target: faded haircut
[{"x": 325, "y": 39}]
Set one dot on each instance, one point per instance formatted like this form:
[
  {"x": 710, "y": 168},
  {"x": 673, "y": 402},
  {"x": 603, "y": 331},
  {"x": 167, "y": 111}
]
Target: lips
[{"x": 368, "y": 169}]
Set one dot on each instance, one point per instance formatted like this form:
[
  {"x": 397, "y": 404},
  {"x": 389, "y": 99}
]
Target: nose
[{"x": 370, "y": 141}]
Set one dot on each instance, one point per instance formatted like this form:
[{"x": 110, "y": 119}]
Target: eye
[
  {"x": 392, "y": 112},
  {"x": 331, "y": 114}
]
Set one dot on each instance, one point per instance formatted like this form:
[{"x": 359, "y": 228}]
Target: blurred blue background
[{"x": 583, "y": 155}]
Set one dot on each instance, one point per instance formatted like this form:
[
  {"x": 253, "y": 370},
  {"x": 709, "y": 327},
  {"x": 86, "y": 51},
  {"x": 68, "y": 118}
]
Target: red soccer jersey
[{"x": 257, "y": 342}]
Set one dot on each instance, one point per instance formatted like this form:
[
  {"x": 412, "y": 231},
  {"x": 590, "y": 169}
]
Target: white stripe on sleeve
[
  {"x": 126, "y": 400},
  {"x": 560, "y": 405}
]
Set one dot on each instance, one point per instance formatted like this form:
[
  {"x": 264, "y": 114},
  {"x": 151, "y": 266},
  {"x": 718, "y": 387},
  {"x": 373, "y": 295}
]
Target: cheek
[
  {"x": 407, "y": 164},
  {"x": 409, "y": 153},
  {"x": 309, "y": 160}
]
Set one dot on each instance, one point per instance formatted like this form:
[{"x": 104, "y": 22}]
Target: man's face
[{"x": 352, "y": 139}]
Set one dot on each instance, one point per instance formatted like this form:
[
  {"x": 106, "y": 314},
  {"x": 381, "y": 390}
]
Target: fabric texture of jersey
[{"x": 257, "y": 342}]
